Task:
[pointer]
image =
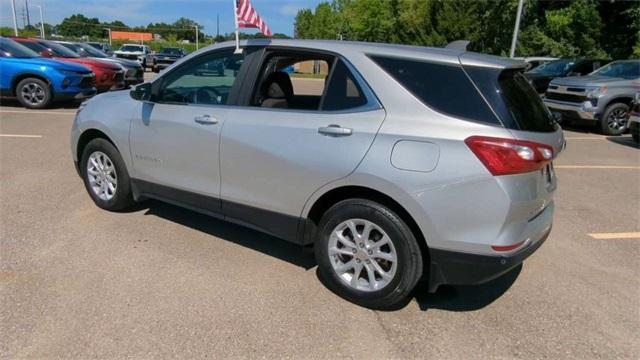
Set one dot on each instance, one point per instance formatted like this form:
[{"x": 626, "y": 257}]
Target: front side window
[{"x": 205, "y": 80}]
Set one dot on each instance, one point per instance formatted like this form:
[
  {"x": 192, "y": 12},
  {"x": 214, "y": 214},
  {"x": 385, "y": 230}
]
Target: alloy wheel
[
  {"x": 362, "y": 255},
  {"x": 617, "y": 119},
  {"x": 102, "y": 176},
  {"x": 33, "y": 93}
]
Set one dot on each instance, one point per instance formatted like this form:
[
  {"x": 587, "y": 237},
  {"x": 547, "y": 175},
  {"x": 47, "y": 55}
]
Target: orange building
[{"x": 131, "y": 35}]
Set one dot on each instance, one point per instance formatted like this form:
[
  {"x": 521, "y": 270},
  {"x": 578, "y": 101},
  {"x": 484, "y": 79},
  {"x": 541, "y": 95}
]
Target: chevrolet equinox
[{"x": 396, "y": 163}]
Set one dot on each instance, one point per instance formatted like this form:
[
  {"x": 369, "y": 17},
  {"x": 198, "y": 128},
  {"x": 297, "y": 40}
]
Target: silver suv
[
  {"x": 602, "y": 98},
  {"x": 395, "y": 163}
]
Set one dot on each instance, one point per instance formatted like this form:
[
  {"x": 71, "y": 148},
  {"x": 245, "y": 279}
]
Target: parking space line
[
  {"x": 20, "y": 136},
  {"x": 620, "y": 167},
  {"x": 35, "y": 112},
  {"x": 621, "y": 235}
]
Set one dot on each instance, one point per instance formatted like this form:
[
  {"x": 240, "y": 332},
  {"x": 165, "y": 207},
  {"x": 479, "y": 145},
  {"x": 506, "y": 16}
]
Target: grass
[{"x": 308, "y": 76}]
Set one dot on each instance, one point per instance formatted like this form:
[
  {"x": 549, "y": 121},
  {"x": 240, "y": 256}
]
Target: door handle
[
  {"x": 205, "y": 120},
  {"x": 335, "y": 130}
]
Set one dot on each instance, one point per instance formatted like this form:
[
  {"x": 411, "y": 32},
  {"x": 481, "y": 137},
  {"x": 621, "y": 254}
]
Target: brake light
[{"x": 509, "y": 156}]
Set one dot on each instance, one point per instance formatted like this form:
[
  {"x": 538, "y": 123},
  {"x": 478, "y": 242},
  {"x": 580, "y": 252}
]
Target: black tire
[
  {"x": 610, "y": 127},
  {"x": 635, "y": 134},
  {"x": 122, "y": 197},
  {"x": 409, "y": 259},
  {"x": 34, "y": 93}
]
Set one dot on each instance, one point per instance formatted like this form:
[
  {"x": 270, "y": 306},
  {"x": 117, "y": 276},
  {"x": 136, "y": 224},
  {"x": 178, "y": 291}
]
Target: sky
[{"x": 279, "y": 14}]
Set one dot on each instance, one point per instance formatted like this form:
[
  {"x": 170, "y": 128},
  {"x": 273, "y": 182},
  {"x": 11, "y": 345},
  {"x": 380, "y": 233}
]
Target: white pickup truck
[{"x": 140, "y": 53}]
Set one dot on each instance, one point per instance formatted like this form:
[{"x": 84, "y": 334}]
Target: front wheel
[
  {"x": 33, "y": 93},
  {"x": 105, "y": 175},
  {"x": 367, "y": 254},
  {"x": 614, "y": 120}
]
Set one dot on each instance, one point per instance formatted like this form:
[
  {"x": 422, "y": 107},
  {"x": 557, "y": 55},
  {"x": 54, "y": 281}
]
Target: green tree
[
  {"x": 78, "y": 25},
  {"x": 302, "y": 26},
  {"x": 372, "y": 20},
  {"x": 574, "y": 30}
]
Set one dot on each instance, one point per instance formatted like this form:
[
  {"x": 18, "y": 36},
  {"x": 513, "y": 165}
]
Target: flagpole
[{"x": 235, "y": 18}]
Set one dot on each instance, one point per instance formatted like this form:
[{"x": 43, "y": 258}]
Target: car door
[
  {"x": 174, "y": 138},
  {"x": 273, "y": 159}
]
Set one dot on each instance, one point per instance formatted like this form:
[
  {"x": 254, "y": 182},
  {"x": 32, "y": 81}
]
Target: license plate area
[{"x": 549, "y": 176}]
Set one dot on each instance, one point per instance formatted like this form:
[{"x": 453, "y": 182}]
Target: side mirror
[
  {"x": 46, "y": 53},
  {"x": 141, "y": 92}
]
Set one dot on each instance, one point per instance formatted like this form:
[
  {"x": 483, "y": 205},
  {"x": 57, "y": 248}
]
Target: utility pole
[
  {"x": 516, "y": 29},
  {"x": 26, "y": 7},
  {"x": 217, "y": 25},
  {"x": 15, "y": 19},
  {"x": 109, "y": 30},
  {"x": 197, "y": 31},
  {"x": 42, "y": 35}
]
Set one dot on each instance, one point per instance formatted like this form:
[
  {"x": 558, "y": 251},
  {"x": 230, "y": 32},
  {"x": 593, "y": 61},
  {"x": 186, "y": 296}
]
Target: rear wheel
[
  {"x": 635, "y": 134},
  {"x": 33, "y": 93},
  {"x": 367, "y": 254},
  {"x": 614, "y": 120},
  {"x": 105, "y": 175}
]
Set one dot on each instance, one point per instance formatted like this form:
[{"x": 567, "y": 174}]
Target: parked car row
[
  {"x": 38, "y": 72},
  {"x": 595, "y": 91}
]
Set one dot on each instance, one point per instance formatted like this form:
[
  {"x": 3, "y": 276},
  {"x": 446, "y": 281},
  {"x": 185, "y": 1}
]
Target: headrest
[{"x": 277, "y": 86}]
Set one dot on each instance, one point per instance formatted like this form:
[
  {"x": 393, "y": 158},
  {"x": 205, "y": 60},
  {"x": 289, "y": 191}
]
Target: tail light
[{"x": 509, "y": 156}]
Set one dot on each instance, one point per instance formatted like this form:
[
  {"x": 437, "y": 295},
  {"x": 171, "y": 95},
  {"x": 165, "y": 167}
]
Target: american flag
[{"x": 247, "y": 17}]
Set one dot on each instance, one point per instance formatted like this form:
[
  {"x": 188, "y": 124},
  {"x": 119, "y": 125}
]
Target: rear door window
[
  {"x": 343, "y": 91},
  {"x": 442, "y": 87}
]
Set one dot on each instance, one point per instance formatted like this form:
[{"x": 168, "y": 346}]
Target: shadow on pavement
[
  {"x": 580, "y": 127},
  {"x": 236, "y": 234},
  {"x": 466, "y": 298},
  {"x": 13, "y": 103},
  {"x": 625, "y": 140}
]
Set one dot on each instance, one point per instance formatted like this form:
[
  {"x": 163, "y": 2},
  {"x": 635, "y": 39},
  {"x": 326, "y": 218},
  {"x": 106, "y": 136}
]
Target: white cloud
[{"x": 290, "y": 9}]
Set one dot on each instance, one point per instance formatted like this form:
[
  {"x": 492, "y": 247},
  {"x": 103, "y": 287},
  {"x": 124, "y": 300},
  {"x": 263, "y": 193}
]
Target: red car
[{"x": 109, "y": 76}]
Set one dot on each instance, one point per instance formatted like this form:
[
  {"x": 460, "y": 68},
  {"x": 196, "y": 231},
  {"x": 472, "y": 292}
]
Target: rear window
[
  {"x": 513, "y": 99},
  {"x": 442, "y": 87}
]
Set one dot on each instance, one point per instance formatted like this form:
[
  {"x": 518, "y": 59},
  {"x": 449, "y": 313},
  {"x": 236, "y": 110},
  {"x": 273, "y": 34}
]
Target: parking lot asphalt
[{"x": 78, "y": 282}]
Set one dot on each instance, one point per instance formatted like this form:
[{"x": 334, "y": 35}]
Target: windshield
[
  {"x": 131, "y": 48},
  {"x": 558, "y": 67},
  {"x": 59, "y": 50},
  {"x": 620, "y": 69},
  {"x": 10, "y": 48},
  {"x": 170, "y": 51},
  {"x": 91, "y": 51},
  {"x": 72, "y": 47}
]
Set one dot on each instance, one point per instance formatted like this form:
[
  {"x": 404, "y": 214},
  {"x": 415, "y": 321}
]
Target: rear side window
[
  {"x": 442, "y": 87},
  {"x": 343, "y": 91}
]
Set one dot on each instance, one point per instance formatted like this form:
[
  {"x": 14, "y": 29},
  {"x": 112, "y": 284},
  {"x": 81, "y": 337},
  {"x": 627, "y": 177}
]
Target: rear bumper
[
  {"x": 584, "y": 110},
  {"x": 457, "y": 268}
]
